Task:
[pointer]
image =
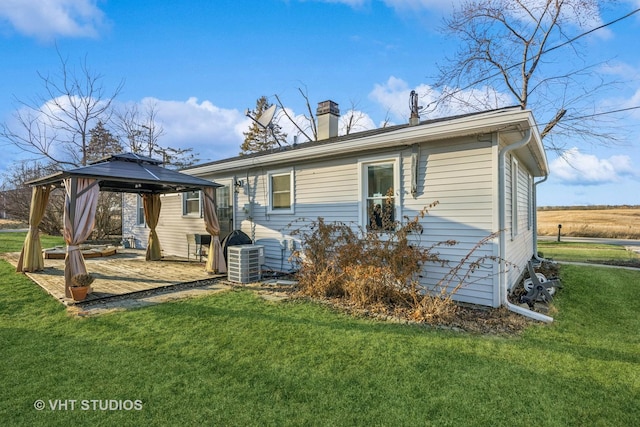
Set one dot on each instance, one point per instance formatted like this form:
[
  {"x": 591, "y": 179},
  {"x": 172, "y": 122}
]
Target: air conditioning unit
[{"x": 243, "y": 263}]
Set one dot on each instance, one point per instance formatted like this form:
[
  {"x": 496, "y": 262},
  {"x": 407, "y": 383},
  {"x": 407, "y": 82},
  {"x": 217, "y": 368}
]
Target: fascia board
[{"x": 477, "y": 124}]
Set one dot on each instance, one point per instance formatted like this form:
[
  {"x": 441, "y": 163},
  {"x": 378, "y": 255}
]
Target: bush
[{"x": 380, "y": 270}]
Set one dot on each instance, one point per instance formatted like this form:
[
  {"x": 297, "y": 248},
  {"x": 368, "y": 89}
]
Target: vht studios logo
[{"x": 88, "y": 405}]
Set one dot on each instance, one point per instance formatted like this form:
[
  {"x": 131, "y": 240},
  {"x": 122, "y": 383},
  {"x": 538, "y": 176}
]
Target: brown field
[
  {"x": 10, "y": 223},
  {"x": 615, "y": 222},
  {"x": 605, "y": 222}
]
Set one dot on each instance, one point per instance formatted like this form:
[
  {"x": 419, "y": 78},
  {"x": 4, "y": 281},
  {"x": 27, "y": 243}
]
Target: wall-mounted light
[{"x": 238, "y": 185}]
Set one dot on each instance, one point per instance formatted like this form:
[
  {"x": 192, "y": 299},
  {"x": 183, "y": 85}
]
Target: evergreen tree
[
  {"x": 260, "y": 139},
  {"x": 102, "y": 143}
]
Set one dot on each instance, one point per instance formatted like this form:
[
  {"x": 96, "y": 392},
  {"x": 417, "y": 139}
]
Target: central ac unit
[{"x": 243, "y": 263}]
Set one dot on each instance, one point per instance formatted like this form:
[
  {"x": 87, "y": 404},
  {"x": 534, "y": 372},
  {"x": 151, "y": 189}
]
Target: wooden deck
[{"x": 126, "y": 272}]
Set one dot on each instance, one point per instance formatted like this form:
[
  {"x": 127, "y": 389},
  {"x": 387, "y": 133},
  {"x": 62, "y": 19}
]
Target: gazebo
[{"x": 124, "y": 173}]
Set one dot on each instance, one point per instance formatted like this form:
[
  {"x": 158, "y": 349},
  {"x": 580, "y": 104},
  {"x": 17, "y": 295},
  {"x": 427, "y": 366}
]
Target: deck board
[{"x": 120, "y": 274}]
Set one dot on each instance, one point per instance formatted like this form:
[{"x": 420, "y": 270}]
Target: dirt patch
[
  {"x": 467, "y": 318},
  {"x": 629, "y": 263}
]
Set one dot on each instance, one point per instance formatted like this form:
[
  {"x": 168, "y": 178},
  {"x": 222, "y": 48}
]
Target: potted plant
[{"x": 80, "y": 285}]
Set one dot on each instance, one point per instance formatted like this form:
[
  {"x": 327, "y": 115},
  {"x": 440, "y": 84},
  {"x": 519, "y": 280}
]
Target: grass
[
  {"x": 587, "y": 252},
  {"x": 235, "y": 359},
  {"x": 13, "y": 241}
]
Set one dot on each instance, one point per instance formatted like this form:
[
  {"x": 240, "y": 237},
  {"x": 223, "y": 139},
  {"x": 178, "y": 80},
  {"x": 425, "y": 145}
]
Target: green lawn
[
  {"x": 234, "y": 359},
  {"x": 13, "y": 241},
  {"x": 586, "y": 252}
]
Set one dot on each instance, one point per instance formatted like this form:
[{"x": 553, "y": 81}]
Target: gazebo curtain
[
  {"x": 31, "y": 258},
  {"x": 80, "y": 203},
  {"x": 152, "y": 205},
  {"x": 215, "y": 259}
]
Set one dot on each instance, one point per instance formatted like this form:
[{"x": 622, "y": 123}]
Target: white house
[{"x": 480, "y": 167}]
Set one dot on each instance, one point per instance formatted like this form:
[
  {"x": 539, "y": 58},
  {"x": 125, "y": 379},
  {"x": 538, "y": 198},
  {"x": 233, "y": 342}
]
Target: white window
[
  {"x": 140, "y": 211},
  {"x": 280, "y": 189},
  {"x": 379, "y": 180},
  {"x": 191, "y": 205}
]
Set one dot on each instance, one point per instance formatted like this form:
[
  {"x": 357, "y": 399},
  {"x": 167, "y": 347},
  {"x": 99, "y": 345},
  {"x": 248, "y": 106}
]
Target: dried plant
[
  {"x": 380, "y": 267},
  {"x": 83, "y": 279}
]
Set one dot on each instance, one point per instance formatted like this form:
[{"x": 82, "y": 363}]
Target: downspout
[
  {"x": 502, "y": 219},
  {"x": 535, "y": 219}
]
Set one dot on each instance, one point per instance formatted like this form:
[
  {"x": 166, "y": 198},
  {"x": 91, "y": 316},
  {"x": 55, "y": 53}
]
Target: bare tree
[
  {"x": 55, "y": 126},
  {"x": 141, "y": 130},
  {"x": 530, "y": 50},
  {"x": 142, "y": 133},
  {"x": 309, "y": 118},
  {"x": 352, "y": 119},
  {"x": 55, "y": 129},
  {"x": 18, "y": 195}
]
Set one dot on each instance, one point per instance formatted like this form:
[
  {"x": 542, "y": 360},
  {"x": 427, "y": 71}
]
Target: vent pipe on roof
[
  {"x": 414, "y": 119},
  {"x": 328, "y": 115}
]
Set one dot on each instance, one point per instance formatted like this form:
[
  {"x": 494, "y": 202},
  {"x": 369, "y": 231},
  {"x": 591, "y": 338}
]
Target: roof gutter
[{"x": 502, "y": 219}]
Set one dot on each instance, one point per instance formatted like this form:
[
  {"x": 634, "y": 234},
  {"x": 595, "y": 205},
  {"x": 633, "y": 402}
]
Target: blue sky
[{"x": 202, "y": 63}]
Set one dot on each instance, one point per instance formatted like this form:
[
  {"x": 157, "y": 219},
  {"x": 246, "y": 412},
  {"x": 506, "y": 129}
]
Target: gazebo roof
[{"x": 130, "y": 173}]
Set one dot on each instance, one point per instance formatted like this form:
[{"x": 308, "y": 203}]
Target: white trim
[
  {"x": 363, "y": 163},
  {"x": 184, "y": 206},
  {"x": 232, "y": 199},
  {"x": 139, "y": 207},
  {"x": 493, "y": 121},
  {"x": 529, "y": 201},
  {"x": 281, "y": 172},
  {"x": 515, "y": 172}
]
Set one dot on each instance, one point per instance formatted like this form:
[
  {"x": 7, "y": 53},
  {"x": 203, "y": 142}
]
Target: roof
[
  {"x": 130, "y": 173},
  {"x": 511, "y": 122}
]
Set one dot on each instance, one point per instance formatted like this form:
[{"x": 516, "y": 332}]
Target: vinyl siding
[
  {"x": 131, "y": 230},
  {"x": 519, "y": 247},
  {"x": 461, "y": 174}
]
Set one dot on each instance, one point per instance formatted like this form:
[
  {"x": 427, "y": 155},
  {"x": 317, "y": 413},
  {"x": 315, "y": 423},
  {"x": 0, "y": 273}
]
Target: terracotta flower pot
[{"x": 79, "y": 293}]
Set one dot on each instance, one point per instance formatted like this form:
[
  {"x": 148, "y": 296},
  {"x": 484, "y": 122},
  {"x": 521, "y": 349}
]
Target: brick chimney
[{"x": 328, "y": 114}]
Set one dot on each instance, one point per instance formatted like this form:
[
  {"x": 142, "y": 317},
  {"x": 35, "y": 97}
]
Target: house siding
[
  {"x": 460, "y": 173},
  {"x": 134, "y": 233},
  {"x": 456, "y": 173},
  {"x": 519, "y": 246},
  {"x": 173, "y": 227}
]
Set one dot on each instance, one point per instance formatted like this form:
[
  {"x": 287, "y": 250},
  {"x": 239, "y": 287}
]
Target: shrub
[{"x": 371, "y": 268}]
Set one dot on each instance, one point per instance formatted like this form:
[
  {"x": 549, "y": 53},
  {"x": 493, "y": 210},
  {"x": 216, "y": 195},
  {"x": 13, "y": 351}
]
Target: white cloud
[
  {"x": 48, "y": 19},
  {"x": 356, "y": 120},
  {"x": 361, "y": 122},
  {"x": 213, "y": 132},
  {"x": 216, "y": 133},
  {"x": 393, "y": 96},
  {"x": 577, "y": 168}
]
